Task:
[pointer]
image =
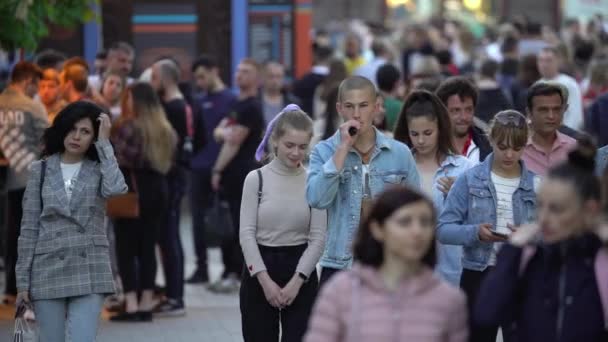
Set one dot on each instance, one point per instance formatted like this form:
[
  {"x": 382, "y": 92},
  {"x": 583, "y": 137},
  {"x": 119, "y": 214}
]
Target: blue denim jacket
[
  {"x": 340, "y": 192},
  {"x": 471, "y": 202},
  {"x": 449, "y": 265}
]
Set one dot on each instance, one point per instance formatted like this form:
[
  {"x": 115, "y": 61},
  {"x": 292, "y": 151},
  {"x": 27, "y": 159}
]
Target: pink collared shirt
[{"x": 538, "y": 161}]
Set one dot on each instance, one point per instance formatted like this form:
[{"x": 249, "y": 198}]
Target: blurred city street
[{"x": 410, "y": 147}]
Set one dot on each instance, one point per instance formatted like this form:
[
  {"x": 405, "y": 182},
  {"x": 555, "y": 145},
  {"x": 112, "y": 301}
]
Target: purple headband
[{"x": 259, "y": 153}]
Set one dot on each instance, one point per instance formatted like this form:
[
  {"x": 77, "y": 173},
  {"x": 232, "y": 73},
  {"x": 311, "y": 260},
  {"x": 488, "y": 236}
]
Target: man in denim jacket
[{"x": 351, "y": 168}]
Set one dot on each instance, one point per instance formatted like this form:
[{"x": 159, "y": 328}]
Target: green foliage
[{"x": 23, "y": 23}]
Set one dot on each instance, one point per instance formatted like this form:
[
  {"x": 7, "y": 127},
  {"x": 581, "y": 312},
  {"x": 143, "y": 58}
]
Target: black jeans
[
  {"x": 326, "y": 274},
  {"x": 14, "y": 213},
  {"x": 470, "y": 282},
  {"x": 201, "y": 196},
  {"x": 136, "y": 238},
  {"x": 259, "y": 319},
  {"x": 170, "y": 242}
]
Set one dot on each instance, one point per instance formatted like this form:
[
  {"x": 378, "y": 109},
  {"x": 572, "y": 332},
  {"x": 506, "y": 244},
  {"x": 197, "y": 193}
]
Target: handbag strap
[
  {"x": 260, "y": 185},
  {"x": 133, "y": 180},
  {"x": 42, "y": 174}
]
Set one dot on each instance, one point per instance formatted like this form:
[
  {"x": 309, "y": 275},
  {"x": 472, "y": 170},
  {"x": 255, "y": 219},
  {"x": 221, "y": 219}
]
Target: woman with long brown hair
[
  {"x": 424, "y": 125},
  {"x": 145, "y": 146}
]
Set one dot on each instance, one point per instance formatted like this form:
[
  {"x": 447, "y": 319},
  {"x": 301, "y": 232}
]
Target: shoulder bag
[{"x": 125, "y": 206}]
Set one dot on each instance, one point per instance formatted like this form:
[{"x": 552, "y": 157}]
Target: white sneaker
[{"x": 227, "y": 285}]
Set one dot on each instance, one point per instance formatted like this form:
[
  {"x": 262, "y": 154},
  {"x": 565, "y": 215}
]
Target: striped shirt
[{"x": 505, "y": 187}]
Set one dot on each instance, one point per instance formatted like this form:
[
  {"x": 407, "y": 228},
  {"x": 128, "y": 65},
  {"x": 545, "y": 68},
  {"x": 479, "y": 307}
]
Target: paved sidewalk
[{"x": 210, "y": 317}]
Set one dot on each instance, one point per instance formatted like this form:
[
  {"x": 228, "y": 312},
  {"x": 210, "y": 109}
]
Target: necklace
[{"x": 365, "y": 156}]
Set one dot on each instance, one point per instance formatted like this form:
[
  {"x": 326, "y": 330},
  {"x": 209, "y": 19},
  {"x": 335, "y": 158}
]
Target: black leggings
[
  {"x": 136, "y": 238},
  {"x": 259, "y": 319}
]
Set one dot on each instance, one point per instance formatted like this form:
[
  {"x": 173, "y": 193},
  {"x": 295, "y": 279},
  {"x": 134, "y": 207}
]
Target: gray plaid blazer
[{"x": 63, "y": 249}]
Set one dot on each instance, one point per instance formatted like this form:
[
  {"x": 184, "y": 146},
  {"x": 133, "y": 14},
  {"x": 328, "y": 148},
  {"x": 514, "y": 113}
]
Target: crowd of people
[{"x": 431, "y": 195}]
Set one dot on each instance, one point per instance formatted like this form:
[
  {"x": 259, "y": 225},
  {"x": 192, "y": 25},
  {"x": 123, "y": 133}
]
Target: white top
[
  {"x": 367, "y": 191},
  {"x": 70, "y": 173},
  {"x": 427, "y": 181},
  {"x": 505, "y": 187},
  {"x": 95, "y": 81},
  {"x": 115, "y": 112},
  {"x": 573, "y": 117},
  {"x": 473, "y": 153}
]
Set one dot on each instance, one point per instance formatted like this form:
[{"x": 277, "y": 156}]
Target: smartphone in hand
[{"x": 499, "y": 234}]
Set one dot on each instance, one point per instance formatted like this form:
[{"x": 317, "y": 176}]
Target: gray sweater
[
  {"x": 283, "y": 217},
  {"x": 22, "y": 123}
]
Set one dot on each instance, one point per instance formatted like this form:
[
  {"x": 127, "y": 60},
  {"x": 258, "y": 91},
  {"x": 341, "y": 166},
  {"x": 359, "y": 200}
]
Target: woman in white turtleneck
[{"x": 281, "y": 236}]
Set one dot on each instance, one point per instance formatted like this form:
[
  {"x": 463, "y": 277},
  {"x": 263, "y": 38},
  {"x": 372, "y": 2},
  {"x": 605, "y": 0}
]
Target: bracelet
[{"x": 303, "y": 276}]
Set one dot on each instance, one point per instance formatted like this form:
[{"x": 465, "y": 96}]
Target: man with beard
[
  {"x": 459, "y": 95},
  {"x": 73, "y": 80},
  {"x": 240, "y": 133},
  {"x": 119, "y": 58}
]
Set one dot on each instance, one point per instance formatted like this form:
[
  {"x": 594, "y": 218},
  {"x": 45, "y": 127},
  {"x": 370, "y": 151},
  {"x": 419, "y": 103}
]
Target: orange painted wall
[{"x": 302, "y": 47}]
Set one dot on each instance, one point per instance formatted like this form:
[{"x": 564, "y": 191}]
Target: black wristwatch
[{"x": 303, "y": 276}]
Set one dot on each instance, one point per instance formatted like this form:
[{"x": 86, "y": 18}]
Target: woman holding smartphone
[
  {"x": 424, "y": 126},
  {"x": 485, "y": 203}
]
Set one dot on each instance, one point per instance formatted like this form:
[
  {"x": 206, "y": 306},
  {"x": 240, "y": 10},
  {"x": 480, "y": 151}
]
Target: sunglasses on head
[{"x": 511, "y": 118}]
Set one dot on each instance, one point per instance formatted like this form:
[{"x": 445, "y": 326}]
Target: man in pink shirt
[{"x": 546, "y": 104}]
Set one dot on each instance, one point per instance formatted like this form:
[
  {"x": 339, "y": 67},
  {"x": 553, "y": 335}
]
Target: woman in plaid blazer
[{"x": 63, "y": 265}]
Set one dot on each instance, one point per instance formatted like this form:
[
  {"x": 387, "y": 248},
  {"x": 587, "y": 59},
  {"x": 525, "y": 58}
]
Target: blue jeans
[{"x": 76, "y": 317}]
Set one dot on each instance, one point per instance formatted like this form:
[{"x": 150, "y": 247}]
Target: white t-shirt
[
  {"x": 427, "y": 182},
  {"x": 505, "y": 187},
  {"x": 70, "y": 173},
  {"x": 365, "y": 181}
]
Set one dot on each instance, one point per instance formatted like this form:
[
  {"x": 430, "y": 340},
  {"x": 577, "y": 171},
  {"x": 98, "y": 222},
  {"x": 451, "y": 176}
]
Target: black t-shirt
[
  {"x": 176, "y": 113},
  {"x": 247, "y": 113}
]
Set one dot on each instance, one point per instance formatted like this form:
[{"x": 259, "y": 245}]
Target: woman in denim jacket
[
  {"x": 424, "y": 126},
  {"x": 485, "y": 203}
]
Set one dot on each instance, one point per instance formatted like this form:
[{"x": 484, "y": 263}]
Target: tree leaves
[{"x": 23, "y": 23}]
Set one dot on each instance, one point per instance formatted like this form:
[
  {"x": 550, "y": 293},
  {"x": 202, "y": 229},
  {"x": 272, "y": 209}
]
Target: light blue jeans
[{"x": 74, "y": 317}]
